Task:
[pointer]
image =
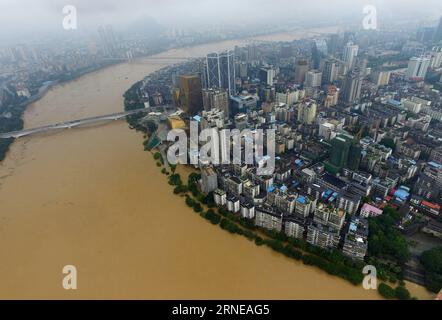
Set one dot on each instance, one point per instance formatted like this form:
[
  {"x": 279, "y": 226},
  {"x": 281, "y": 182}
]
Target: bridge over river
[{"x": 71, "y": 124}]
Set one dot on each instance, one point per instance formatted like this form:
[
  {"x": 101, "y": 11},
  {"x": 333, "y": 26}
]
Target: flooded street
[{"x": 91, "y": 197}]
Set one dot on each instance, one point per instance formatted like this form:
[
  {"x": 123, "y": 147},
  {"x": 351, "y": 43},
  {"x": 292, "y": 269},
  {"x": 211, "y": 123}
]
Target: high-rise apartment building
[
  {"x": 301, "y": 69},
  {"x": 216, "y": 99},
  {"x": 344, "y": 153},
  {"x": 418, "y": 67},
  {"x": 332, "y": 97},
  {"x": 350, "y": 53},
  {"x": 436, "y": 57},
  {"x": 381, "y": 77},
  {"x": 351, "y": 90},
  {"x": 288, "y": 97},
  {"x": 266, "y": 75},
  {"x": 313, "y": 79},
  {"x": 307, "y": 111},
  {"x": 330, "y": 71},
  {"x": 438, "y": 32},
  {"x": 209, "y": 179}
]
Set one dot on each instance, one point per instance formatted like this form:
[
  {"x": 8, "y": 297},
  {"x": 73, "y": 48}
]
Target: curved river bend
[{"x": 91, "y": 197}]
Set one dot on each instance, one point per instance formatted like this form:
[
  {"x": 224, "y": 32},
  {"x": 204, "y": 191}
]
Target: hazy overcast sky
[{"x": 33, "y": 16}]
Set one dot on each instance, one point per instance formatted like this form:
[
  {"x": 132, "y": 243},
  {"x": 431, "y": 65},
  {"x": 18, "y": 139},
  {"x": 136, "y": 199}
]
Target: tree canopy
[{"x": 385, "y": 240}]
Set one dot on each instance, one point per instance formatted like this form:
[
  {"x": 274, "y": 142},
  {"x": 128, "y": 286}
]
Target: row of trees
[
  {"x": 14, "y": 106},
  {"x": 131, "y": 102},
  {"x": 432, "y": 261},
  {"x": 4, "y": 147},
  {"x": 400, "y": 292},
  {"x": 333, "y": 263}
]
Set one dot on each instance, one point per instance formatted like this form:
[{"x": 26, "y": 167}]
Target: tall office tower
[
  {"x": 350, "y": 53},
  {"x": 319, "y": 51},
  {"x": 216, "y": 99},
  {"x": 351, "y": 90},
  {"x": 108, "y": 40},
  {"x": 417, "y": 67},
  {"x": 266, "y": 75},
  {"x": 425, "y": 34},
  {"x": 313, "y": 79},
  {"x": 438, "y": 32},
  {"x": 339, "y": 151},
  {"x": 301, "y": 69},
  {"x": 307, "y": 111},
  {"x": 190, "y": 96},
  {"x": 354, "y": 156},
  {"x": 200, "y": 70},
  {"x": 361, "y": 64},
  {"x": 252, "y": 52},
  {"x": 330, "y": 72},
  {"x": 220, "y": 71},
  {"x": 345, "y": 152},
  {"x": 321, "y": 45},
  {"x": 334, "y": 44}
]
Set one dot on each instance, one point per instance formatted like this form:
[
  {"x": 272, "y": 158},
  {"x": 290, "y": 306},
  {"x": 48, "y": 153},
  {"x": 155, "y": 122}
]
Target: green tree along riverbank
[
  {"x": 11, "y": 119},
  {"x": 432, "y": 261}
]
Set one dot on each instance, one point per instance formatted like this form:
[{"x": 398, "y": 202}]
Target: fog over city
[{"x": 28, "y": 18}]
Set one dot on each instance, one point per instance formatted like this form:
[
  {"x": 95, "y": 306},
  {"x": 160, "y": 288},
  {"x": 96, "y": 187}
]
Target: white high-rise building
[
  {"x": 313, "y": 79},
  {"x": 350, "y": 54},
  {"x": 436, "y": 57},
  {"x": 289, "y": 97},
  {"x": 307, "y": 111},
  {"x": 381, "y": 78},
  {"x": 417, "y": 67},
  {"x": 330, "y": 71}
]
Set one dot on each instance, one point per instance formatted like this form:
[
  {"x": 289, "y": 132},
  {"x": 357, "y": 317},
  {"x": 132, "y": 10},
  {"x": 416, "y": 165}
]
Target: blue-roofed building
[
  {"x": 401, "y": 194},
  {"x": 435, "y": 165},
  {"x": 301, "y": 199},
  {"x": 304, "y": 205},
  {"x": 395, "y": 103},
  {"x": 355, "y": 240}
]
